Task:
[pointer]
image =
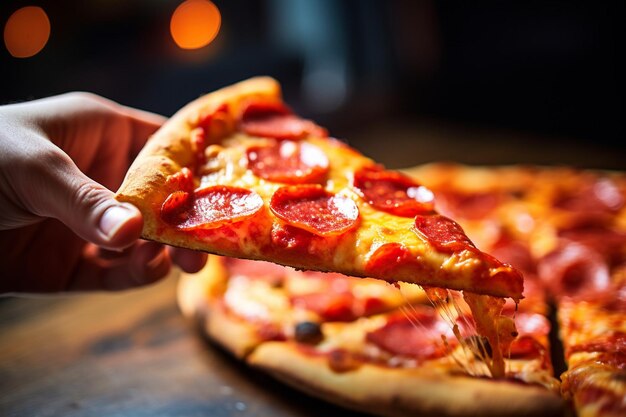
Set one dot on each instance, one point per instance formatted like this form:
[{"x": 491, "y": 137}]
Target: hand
[{"x": 60, "y": 227}]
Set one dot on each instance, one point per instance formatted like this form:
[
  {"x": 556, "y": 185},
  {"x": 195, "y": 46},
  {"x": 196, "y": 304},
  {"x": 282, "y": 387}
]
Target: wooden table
[{"x": 128, "y": 354}]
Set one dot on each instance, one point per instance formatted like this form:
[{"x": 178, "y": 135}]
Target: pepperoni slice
[
  {"x": 314, "y": 209},
  {"x": 515, "y": 253},
  {"x": 573, "y": 270},
  {"x": 215, "y": 123},
  {"x": 174, "y": 204},
  {"x": 334, "y": 299},
  {"x": 388, "y": 258},
  {"x": 331, "y": 306},
  {"x": 292, "y": 238},
  {"x": 289, "y": 162},
  {"x": 393, "y": 192},
  {"x": 471, "y": 206},
  {"x": 401, "y": 336},
  {"x": 443, "y": 233},
  {"x": 602, "y": 239},
  {"x": 526, "y": 347},
  {"x": 259, "y": 109},
  {"x": 601, "y": 195},
  {"x": 210, "y": 207},
  {"x": 612, "y": 342},
  {"x": 272, "y": 119}
]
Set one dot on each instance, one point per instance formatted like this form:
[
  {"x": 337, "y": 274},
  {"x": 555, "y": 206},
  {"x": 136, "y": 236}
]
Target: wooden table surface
[{"x": 128, "y": 354}]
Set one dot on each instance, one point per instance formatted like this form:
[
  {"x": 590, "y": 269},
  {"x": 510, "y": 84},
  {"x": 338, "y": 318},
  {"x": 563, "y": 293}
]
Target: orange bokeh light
[
  {"x": 27, "y": 31},
  {"x": 195, "y": 23}
]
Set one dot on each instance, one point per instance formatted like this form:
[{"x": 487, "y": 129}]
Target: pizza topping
[
  {"x": 308, "y": 332},
  {"x": 270, "y": 332},
  {"x": 312, "y": 208},
  {"x": 341, "y": 360},
  {"x": 182, "y": 180},
  {"x": 601, "y": 195},
  {"x": 331, "y": 306},
  {"x": 215, "y": 124},
  {"x": 574, "y": 270},
  {"x": 288, "y": 237},
  {"x": 260, "y": 109},
  {"x": 515, "y": 253},
  {"x": 393, "y": 192},
  {"x": 387, "y": 258},
  {"x": 615, "y": 342},
  {"x": 174, "y": 206},
  {"x": 272, "y": 119},
  {"x": 443, "y": 233},
  {"x": 596, "y": 382},
  {"x": 210, "y": 207},
  {"x": 609, "y": 402},
  {"x": 288, "y": 161},
  {"x": 604, "y": 240},
  {"x": 498, "y": 329},
  {"x": 400, "y": 335},
  {"x": 471, "y": 206},
  {"x": 526, "y": 347},
  {"x": 615, "y": 359}
]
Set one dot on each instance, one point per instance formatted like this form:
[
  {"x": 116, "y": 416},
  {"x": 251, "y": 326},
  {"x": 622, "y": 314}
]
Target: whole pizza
[{"x": 464, "y": 265}]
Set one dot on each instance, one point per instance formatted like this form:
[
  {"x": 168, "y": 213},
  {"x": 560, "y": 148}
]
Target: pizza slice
[
  {"x": 594, "y": 338},
  {"x": 370, "y": 346},
  {"x": 236, "y": 173}
]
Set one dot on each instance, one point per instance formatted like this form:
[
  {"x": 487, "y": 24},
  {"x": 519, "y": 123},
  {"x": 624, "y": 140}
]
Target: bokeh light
[
  {"x": 27, "y": 31},
  {"x": 195, "y": 23}
]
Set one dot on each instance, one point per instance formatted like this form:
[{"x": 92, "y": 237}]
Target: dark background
[{"x": 405, "y": 81}]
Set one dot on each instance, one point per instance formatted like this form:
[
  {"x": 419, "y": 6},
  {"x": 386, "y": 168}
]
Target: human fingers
[
  {"x": 53, "y": 186},
  {"x": 188, "y": 260},
  {"x": 142, "y": 264}
]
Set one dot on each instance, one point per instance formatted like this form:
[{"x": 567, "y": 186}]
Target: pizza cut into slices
[
  {"x": 338, "y": 338},
  {"x": 566, "y": 230},
  {"x": 585, "y": 271},
  {"x": 237, "y": 173},
  {"x": 371, "y": 346}
]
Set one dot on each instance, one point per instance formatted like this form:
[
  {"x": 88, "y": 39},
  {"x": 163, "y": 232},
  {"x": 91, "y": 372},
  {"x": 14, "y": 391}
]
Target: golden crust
[
  {"x": 396, "y": 392},
  {"x": 199, "y": 298}
]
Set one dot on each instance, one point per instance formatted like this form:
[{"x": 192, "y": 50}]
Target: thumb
[{"x": 86, "y": 207}]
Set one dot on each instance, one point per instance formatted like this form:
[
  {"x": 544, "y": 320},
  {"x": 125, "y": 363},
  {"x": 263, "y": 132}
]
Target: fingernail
[{"x": 115, "y": 217}]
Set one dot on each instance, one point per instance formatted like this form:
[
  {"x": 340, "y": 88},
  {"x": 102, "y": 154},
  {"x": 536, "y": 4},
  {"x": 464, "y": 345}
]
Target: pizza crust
[
  {"x": 398, "y": 392},
  {"x": 197, "y": 300}
]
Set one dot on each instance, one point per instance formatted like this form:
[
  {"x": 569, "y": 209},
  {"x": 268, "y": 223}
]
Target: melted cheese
[{"x": 349, "y": 252}]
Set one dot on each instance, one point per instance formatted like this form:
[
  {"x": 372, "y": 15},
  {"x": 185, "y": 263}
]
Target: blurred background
[{"x": 406, "y": 82}]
